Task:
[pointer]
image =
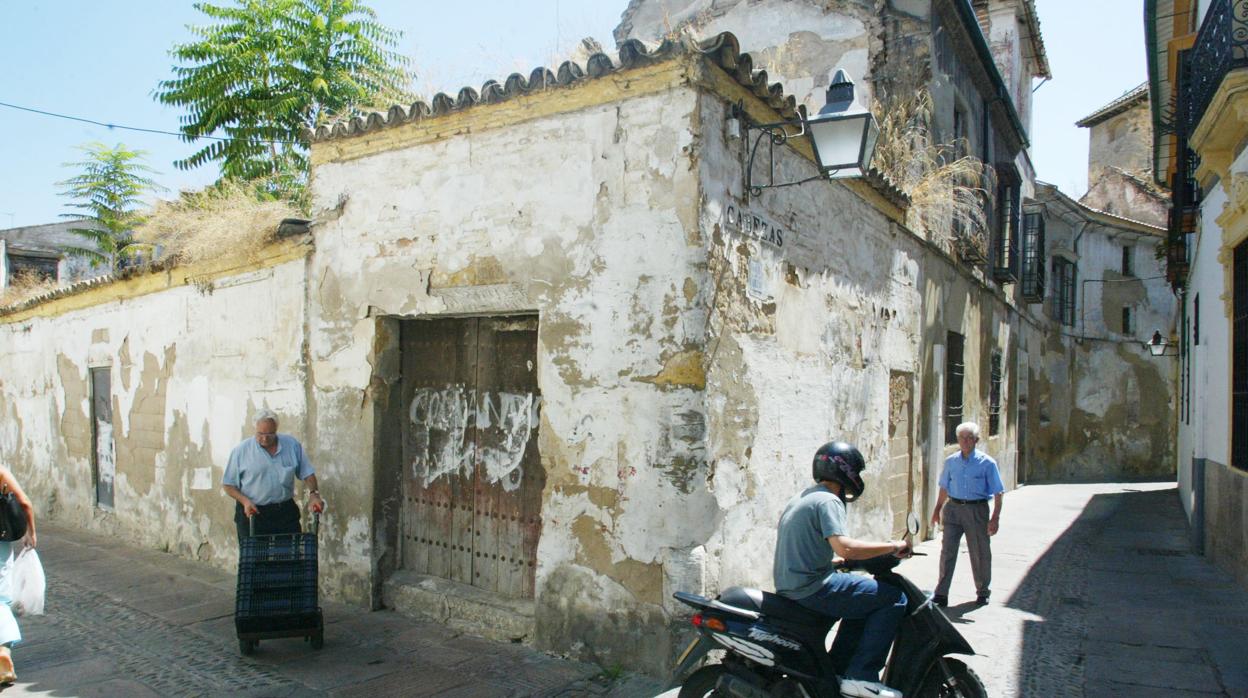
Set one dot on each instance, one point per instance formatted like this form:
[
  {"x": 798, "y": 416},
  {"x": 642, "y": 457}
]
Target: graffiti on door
[{"x": 443, "y": 421}]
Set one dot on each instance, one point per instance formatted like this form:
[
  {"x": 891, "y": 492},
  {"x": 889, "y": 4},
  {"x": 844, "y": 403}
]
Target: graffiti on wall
[{"x": 454, "y": 428}]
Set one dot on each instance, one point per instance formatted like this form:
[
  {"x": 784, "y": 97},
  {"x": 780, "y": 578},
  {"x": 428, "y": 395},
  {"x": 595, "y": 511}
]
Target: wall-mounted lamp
[
  {"x": 842, "y": 134},
  {"x": 1158, "y": 344}
]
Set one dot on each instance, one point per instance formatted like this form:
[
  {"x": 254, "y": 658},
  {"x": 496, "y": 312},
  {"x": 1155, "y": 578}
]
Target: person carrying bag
[{"x": 17, "y": 522}]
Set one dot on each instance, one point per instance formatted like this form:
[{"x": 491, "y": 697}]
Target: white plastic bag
[{"x": 27, "y": 583}]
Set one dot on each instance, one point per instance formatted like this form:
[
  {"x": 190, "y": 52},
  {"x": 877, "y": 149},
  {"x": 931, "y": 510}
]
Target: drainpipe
[{"x": 1083, "y": 289}]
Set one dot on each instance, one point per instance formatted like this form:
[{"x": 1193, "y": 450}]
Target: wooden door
[
  {"x": 103, "y": 461},
  {"x": 473, "y": 477}
]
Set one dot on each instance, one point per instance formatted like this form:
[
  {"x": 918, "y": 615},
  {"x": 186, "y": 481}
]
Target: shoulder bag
[{"x": 12, "y": 516}]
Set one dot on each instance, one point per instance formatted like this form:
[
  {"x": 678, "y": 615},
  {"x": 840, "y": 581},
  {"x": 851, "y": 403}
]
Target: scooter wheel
[
  {"x": 701, "y": 683},
  {"x": 964, "y": 684}
]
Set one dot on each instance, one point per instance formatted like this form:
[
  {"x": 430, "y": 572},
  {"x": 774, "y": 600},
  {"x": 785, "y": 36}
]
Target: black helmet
[{"x": 840, "y": 462}]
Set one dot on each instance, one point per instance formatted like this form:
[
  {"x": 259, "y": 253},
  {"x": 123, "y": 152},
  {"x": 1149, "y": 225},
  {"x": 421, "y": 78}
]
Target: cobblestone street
[
  {"x": 128, "y": 622},
  {"x": 1096, "y": 593}
]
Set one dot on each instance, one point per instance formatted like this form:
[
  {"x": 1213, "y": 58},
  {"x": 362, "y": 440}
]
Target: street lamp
[
  {"x": 843, "y": 136},
  {"x": 1157, "y": 345}
]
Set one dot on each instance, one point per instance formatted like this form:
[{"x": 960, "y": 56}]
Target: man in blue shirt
[
  {"x": 260, "y": 477},
  {"x": 811, "y": 529},
  {"x": 970, "y": 478}
]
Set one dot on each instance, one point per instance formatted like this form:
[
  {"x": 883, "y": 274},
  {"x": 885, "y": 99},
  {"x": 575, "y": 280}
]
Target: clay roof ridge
[{"x": 723, "y": 49}]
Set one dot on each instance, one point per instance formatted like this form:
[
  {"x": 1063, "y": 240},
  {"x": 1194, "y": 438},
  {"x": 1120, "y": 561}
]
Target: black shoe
[
  {"x": 942, "y": 601},
  {"x": 981, "y": 600}
]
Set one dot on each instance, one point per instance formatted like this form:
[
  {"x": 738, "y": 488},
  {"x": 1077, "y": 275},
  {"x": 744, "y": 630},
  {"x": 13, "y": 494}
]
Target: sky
[{"x": 102, "y": 60}]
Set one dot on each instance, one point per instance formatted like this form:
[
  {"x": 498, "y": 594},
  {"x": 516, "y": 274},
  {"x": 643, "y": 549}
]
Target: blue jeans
[{"x": 870, "y": 613}]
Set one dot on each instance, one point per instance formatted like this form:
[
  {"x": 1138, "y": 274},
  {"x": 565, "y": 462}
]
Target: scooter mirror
[{"x": 912, "y": 523}]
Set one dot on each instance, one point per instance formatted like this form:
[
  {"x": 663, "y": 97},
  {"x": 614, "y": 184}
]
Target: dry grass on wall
[
  {"x": 23, "y": 287},
  {"x": 227, "y": 220},
  {"x": 942, "y": 186}
]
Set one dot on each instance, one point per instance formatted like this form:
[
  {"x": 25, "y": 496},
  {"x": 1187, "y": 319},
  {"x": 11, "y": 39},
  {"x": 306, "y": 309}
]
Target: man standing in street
[
  {"x": 970, "y": 478},
  {"x": 260, "y": 477}
]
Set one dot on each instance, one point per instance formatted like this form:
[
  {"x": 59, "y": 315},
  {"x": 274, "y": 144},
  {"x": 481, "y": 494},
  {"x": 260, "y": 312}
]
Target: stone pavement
[
  {"x": 1096, "y": 592},
  {"x": 123, "y": 621}
]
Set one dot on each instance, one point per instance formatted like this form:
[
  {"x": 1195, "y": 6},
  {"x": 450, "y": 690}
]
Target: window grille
[
  {"x": 994, "y": 395},
  {"x": 1064, "y": 291},
  {"x": 1033, "y": 258},
  {"x": 954, "y": 371}
]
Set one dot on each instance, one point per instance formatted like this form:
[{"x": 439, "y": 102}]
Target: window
[
  {"x": 994, "y": 395},
  {"x": 1064, "y": 291},
  {"x": 1239, "y": 358},
  {"x": 1126, "y": 321},
  {"x": 1005, "y": 224},
  {"x": 1128, "y": 269},
  {"x": 954, "y": 370},
  {"x": 1033, "y": 258}
]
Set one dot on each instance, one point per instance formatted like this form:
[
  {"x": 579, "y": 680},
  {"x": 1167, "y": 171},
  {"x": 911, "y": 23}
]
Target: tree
[
  {"x": 108, "y": 189},
  {"x": 265, "y": 70}
]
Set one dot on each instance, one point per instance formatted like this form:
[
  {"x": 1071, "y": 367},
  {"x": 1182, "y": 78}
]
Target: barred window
[
  {"x": 1033, "y": 258},
  {"x": 1063, "y": 309},
  {"x": 954, "y": 370},
  {"x": 994, "y": 395}
]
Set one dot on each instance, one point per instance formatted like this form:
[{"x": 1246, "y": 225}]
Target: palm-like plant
[
  {"x": 108, "y": 192},
  {"x": 263, "y": 71}
]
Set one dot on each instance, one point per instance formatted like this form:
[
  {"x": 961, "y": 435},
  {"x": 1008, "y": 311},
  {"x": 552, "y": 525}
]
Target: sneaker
[
  {"x": 981, "y": 600},
  {"x": 942, "y": 601},
  {"x": 867, "y": 689}
]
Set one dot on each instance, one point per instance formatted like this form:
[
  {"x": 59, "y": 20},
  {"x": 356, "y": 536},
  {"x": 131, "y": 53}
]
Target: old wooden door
[
  {"x": 473, "y": 475},
  {"x": 901, "y": 477},
  {"x": 103, "y": 462}
]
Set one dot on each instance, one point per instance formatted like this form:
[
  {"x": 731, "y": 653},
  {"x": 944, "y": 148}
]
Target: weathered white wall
[
  {"x": 587, "y": 218},
  {"x": 188, "y": 369},
  {"x": 1204, "y": 435},
  {"x": 1099, "y": 406}
]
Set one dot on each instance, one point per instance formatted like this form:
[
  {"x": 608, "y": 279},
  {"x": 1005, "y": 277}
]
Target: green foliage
[
  {"x": 263, "y": 71},
  {"x": 107, "y": 192}
]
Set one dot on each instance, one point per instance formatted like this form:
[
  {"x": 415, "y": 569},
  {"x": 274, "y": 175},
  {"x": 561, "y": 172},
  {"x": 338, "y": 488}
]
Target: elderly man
[
  {"x": 260, "y": 476},
  {"x": 970, "y": 478}
]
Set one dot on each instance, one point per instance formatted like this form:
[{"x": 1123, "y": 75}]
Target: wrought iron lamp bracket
[{"x": 777, "y": 134}]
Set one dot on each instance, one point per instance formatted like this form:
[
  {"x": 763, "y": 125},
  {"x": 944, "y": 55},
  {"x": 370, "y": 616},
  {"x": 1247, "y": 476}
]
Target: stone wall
[{"x": 191, "y": 355}]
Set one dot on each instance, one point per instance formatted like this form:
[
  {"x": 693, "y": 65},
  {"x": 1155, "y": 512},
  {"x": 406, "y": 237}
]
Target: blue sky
[{"x": 101, "y": 60}]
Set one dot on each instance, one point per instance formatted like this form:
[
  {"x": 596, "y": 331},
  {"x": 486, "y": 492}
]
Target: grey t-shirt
[{"x": 803, "y": 553}]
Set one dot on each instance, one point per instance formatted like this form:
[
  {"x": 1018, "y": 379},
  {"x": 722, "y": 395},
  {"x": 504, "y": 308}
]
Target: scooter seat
[{"x": 774, "y": 606}]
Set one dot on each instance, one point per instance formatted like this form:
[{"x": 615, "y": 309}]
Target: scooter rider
[{"x": 811, "y": 529}]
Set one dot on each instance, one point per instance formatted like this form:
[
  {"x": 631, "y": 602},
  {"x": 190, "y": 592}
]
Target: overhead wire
[{"x": 140, "y": 129}]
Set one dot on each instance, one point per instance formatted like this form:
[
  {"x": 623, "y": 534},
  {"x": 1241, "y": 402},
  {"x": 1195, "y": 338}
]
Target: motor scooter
[{"x": 775, "y": 647}]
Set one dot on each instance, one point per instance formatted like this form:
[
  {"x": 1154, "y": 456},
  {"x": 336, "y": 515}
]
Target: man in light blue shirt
[
  {"x": 260, "y": 477},
  {"x": 970, "y": 478}
]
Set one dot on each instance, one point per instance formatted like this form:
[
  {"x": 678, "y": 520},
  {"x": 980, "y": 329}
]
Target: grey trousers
[{"x": 971, "y": 520}]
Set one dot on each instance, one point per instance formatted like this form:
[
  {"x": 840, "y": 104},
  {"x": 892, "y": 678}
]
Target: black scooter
[{"x": 775, "y": 646}]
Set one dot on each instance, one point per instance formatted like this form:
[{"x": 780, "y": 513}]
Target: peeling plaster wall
[
  {"x": 802, "y": 341},
  {"x": 188, "y": 368},
  {"x": 799, "y": 44},
  {"x": 1123, "y": 141},
  {"x": 606, "y": 248},
  {"x": 1100, "y": 407}
]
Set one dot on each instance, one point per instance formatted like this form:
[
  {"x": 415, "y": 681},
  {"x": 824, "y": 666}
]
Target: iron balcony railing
[{"x": 1221, "y": 46}]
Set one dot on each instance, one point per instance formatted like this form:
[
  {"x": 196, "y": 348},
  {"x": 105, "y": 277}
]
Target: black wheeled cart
[{"x": 277, "y": 593}]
